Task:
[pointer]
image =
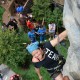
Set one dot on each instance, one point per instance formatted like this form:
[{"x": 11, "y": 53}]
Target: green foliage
[
  {"x": 62, "y": 49},
  {"x": 1, "y": 10},
  {"x": 30, "y": 76},
  {"x": 30, "y": 73},
  {"x": 55, "y": 16},
  {"x": 12, "y": 51},
  {"x": 1, "y": 13},
  {"x": 41, "y": 9}
]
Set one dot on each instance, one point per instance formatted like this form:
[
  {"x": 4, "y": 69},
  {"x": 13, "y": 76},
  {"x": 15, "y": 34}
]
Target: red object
[{"x": 30, "y": 25}]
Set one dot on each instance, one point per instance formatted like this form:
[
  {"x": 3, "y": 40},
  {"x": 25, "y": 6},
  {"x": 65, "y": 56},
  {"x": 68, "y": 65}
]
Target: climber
[{"x": 48, "y": 57}]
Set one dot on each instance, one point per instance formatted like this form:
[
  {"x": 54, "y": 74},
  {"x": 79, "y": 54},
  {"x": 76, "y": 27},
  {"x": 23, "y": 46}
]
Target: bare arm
[
  {"x": 38, "y": 72},
  {"x": 58, "y": 39},
  {"x": 25, "y": 4}
]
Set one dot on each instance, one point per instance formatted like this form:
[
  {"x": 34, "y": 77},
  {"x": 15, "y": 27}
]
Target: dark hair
[
  {"x": 41, "y": 45},
  {"x": 40, "y": 26},
  {"x": 29, "y": 18},
  {"x": 16, "y": 77}
]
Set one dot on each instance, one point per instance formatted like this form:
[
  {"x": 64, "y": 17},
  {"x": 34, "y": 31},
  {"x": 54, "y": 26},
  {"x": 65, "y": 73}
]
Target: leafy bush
[
  {"x": 41, "y": 10},
  {"x": 1, "y": 13},
  {"x": 56, "y": 17},
  {"x": 12, "y": 51}
]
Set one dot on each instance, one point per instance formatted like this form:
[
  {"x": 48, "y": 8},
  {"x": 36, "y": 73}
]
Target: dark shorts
[
  {"x": 51, "y": 34},
  {"x": 59, "y": 70},
  {"x": 56, "y": 74}
]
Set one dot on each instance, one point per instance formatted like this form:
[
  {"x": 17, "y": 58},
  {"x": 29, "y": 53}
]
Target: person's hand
[{"x": 40, "y": 78}]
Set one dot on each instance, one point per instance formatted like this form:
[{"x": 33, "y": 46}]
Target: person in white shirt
[{"x": 52, "y": 28}]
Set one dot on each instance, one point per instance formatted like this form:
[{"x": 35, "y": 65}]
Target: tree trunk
[{"x": 71, "y": 19}]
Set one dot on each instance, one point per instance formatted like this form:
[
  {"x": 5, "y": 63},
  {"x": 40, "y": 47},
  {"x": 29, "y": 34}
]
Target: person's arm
[
  {"x": 25, "y": 4},
  {"x": 58, "y": 39},
  {"x": 37, "y": 67},
  {"x": 38, "y": 72}
]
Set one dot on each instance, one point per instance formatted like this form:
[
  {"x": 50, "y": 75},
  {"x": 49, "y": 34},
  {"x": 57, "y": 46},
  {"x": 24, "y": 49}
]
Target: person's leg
[
  {"x": 49, "y": 36},
  {"x": 59, "y": 77},
  {"x": 44, "y": 37},
  {"x": 53, "y": 35},
  {"x": 41, "y": 38},
  {"x": 66, "y": 78}
]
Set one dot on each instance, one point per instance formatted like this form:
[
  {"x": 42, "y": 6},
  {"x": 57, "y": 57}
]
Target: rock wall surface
[{"x": 71, "y": 19}]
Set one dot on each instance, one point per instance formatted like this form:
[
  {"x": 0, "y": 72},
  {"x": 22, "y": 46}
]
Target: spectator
[
  {"x": 20, "y": 8},
  {"x": 52, "y": 28},
  {"x": 12, "y": 23},
  {"x": 22, "y": 22},
  {"x": 32, "y": 36},
  {"x": 29, "y": 23},
  {"x": 38, "y": 25},
  {"x": 42, "y": 33}
]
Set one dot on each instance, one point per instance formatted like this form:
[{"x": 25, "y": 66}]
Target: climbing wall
[{"x": 71, "y": 19}]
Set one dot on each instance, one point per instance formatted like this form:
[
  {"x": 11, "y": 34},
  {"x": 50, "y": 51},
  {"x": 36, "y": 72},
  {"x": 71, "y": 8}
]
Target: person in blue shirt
[
  {"x": 42, "y": 32},
  {"x": 32, "y": 36},
  {"x": 19, "y": 9}
]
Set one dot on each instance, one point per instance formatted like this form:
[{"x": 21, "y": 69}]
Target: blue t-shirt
[
  {"x": 19, "y": 9},
  {"x": 31, "y": 34},
  {"x": 42, "y": 30}
]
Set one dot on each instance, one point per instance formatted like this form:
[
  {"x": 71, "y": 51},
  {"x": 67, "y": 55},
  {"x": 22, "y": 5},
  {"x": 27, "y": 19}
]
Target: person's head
[
  {"x": 19, "y": 5},
  {"x": 35, "y": 49},
  {"x": 29, "y": 19},
  {"x": 15, "y": 77}
]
